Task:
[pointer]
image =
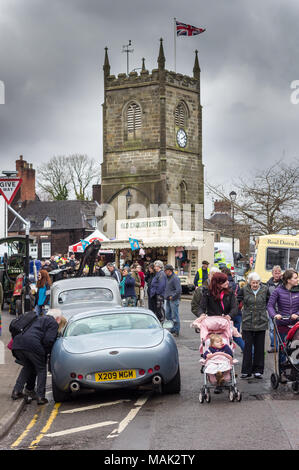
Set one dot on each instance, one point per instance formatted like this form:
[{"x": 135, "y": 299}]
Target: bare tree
[
  {"x": 83, "y": 171},
  {"x": 53, "y": 179},
  {"x": 269, "y": 201},
  {"x": 64, "y": 174}
]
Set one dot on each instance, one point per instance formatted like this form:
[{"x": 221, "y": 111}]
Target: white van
[{"x": 276, "y": 250}]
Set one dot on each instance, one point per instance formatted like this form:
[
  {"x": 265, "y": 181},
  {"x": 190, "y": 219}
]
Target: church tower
[{"x": 152, "y": 137}]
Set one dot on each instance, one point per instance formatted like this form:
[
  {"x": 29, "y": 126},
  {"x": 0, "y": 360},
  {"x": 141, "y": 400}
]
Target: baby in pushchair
[{"x": 216, "y": 349}]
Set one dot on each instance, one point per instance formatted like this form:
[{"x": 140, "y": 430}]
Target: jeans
[
  {"x": 237, "y": 321},
  {"x": 239, "y": 341},
  {"x": 39, "y": 310},
  {"x": 172, "y": 313},
  {"x": 271, "y": 332},
  {"x": 34, "y": 367}
]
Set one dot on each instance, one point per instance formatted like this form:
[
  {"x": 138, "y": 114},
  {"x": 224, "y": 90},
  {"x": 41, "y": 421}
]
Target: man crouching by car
[{"x": 31, "y": 349}]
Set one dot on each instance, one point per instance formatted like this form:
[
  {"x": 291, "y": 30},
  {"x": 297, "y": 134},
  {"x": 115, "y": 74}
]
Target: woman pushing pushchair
[
  {"x": 283, "y": 307},
  {"x": 217, "y": 308}
]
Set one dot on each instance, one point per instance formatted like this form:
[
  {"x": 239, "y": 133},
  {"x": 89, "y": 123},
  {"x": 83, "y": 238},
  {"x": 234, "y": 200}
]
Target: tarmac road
[{"x": 133, "y": 420}]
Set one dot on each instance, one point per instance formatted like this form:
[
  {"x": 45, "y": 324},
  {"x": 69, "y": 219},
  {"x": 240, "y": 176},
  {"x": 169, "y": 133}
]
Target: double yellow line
[{"x": 32, "y": 423}]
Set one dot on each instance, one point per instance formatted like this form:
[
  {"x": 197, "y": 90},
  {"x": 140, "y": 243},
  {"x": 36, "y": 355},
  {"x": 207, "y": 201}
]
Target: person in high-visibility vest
[{"x": 202, "y": 274}]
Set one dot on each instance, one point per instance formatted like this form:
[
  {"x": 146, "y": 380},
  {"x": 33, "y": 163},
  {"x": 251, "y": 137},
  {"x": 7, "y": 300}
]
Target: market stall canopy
[
  {"x": 154, "y": 232},
  {"x": 96, "y": 235}
]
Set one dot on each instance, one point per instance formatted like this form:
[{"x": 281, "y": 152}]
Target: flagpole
[{"x": 174, "y": 19}]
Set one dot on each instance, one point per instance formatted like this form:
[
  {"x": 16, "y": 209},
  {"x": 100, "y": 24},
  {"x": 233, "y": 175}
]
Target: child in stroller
[{"x": 217, "y": 356}]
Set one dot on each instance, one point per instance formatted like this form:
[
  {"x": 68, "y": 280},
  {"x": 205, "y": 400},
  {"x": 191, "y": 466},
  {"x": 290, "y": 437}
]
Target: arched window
[
  {"x": 133, "y": 121},
  {"x": 183, "y": 192},
  {"x": 180, "y": 115}
]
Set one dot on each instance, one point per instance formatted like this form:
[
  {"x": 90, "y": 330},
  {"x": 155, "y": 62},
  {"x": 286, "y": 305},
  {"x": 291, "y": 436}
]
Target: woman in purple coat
[{"x": 286, "y": 300}]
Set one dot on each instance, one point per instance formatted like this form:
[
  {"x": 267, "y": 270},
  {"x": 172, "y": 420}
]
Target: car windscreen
[
  {"x": 111, "y": 322},
  {"x": 91, "y": 294}
]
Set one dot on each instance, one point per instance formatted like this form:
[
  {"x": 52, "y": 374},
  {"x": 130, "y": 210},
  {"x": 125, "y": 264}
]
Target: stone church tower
[{"x": 152, "y": 138}]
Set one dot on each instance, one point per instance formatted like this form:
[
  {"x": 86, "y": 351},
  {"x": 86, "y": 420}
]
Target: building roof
[{"x": 64, "y": 215}]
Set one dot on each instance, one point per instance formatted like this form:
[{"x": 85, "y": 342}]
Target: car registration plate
[{"x": 115, "y": 375}]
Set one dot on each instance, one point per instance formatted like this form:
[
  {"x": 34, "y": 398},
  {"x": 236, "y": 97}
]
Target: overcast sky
[{"x": 52, "y": 54}]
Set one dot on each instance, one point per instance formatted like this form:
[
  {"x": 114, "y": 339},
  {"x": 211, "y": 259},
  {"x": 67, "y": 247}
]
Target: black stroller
[{"x": 290, "y": 366}]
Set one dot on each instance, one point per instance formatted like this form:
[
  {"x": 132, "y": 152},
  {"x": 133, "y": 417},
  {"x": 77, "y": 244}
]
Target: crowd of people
[
  {"x": 252, "y": 307},
  {"x": 159, "y": 284}
]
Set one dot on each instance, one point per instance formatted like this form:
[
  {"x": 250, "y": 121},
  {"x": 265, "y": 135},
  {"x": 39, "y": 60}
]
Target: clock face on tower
[{"x": 181, "y": 138}]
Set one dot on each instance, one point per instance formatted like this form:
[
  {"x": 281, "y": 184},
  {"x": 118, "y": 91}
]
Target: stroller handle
[{"x": 284, "y": 318}]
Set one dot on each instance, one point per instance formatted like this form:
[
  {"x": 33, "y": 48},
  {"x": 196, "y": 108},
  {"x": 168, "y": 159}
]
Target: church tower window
[
  {"x": 133, "y": 121},
  {"x": 180, "y": 115},
  {"x": 183, "y": 192}
]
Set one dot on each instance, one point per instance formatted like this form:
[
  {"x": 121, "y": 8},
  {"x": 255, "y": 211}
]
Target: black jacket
[
  {"x": 212, "y": 307},
  {"x": 254, "y": 313},
  {"x": 40, "y": 336}
]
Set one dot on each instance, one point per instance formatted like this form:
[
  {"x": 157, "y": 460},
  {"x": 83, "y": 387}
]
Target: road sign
[{"x": 9, "y": 188}]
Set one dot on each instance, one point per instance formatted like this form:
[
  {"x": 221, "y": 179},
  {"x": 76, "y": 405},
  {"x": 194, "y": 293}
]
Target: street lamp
[
  {"x": 233, "y": 196},
  {"x": 129, "y": 200}
]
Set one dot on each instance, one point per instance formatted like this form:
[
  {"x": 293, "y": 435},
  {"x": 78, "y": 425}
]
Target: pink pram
[{"x": 219, "y": 361}]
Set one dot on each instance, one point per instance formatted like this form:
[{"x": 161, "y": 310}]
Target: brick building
[
  {"x": 152, "y": 137},
  {"x": 222, "y": 223},
  {"x": 55, "y": 224}
]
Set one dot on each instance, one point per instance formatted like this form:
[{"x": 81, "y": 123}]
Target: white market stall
[
  {"x": 163, "y": 232},
  {"x": 96, "y": 235}
]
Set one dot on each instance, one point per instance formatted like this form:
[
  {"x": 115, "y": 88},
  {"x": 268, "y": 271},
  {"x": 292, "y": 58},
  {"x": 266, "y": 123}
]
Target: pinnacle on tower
[
  {"x": 161, "y": 58},
  {"x": 106, "y": 66},
  {"x": 143, "y": 65},
  {"x": 196, "y": 68}
]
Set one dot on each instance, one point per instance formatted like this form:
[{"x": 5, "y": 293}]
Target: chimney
[
  {"x": 96, "y": 193},
  {"x": 222, "y": 206},
  {"x": 27, "y": 173}
]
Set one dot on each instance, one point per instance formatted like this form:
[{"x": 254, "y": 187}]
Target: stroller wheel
[
  {"x": 295, "y": 387},
  {"x": 201, "y": 397},
  {"x": 274, "y": 381},
  {"x": 238, "y": 396},
  {"x": 208, "y": 397},
  {"x": 231, "y": 395}
]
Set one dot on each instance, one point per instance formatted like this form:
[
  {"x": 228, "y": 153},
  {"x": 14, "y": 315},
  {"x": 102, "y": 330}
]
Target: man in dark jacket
[
  {"x": 173, "y": 293},
  {"x": 31, "y": 348},
  {"x": 129, "y": 288},
  {"x": 157, "y": 292},
  {"x": 114, "y": 272}
]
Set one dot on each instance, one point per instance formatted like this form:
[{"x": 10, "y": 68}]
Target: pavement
[{"x": 9, "y": 370}]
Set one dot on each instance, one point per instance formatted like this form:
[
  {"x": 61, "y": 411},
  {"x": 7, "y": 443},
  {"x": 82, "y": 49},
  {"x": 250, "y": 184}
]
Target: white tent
[{"x": 96, "y": 235}]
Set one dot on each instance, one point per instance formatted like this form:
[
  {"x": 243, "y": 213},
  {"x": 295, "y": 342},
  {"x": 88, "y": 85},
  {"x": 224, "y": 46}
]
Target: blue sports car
[{"x": 114, "y": 348}]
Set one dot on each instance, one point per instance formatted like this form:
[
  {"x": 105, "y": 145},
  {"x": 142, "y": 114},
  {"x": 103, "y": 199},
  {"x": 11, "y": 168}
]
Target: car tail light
[
  {"x": 150, "y": 371},
  {"x": 141, "y": 371},
  {"x": 80, "y": 376},
  {"x": 157, "y": 367},
  {"x": 73, "y": 375}
]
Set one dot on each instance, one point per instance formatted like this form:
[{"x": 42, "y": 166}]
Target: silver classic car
[
  {"x": 79, "y": 294},
  {"x": 114, "y": 348}
]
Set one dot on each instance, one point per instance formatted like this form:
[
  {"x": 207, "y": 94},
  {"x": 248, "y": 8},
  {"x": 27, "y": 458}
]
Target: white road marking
[
  {"x": 130, "y": 416},
  {"x": 80, "y": 429},
  {"x": 92, "y": 407}
]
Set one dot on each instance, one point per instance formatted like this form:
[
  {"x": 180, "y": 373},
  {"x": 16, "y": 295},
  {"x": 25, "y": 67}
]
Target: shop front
[{"x": 160, "y": 238}]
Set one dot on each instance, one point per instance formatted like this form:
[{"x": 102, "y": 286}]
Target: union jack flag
[{"x": 183, "y": 29}]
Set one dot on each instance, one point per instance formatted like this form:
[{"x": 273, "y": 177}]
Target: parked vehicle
[
  {"x": 80, "y": 294},
  {"x": 273, "y": 250},
  {"x": 113, "y": 348}
]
